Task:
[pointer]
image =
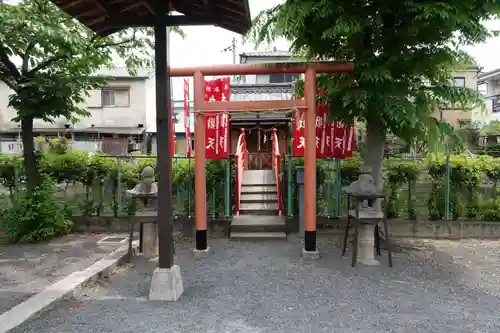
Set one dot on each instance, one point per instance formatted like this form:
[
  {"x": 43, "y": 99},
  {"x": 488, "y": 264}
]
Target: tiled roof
[
  {"x": 267, "y": 54},
  {"x": 123, "y": 72},
  {"x": 260, "y": 92}
]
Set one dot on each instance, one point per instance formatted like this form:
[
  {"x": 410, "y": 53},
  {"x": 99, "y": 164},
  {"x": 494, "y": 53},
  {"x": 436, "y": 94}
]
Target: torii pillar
[{"x": 310, "y": 251}]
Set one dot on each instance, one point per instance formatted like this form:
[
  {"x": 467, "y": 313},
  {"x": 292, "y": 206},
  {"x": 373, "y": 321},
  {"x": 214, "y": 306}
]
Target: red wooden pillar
[
  {"x": 200, "y": 187},
  {"x": 310, "y": 162}
]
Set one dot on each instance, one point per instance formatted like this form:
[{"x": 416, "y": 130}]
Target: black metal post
[{"x": 164, "y": 150}]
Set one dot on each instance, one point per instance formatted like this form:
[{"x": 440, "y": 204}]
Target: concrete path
[
  {"x": 28, "y": 269},
  {"x": 437, "y": 286}
]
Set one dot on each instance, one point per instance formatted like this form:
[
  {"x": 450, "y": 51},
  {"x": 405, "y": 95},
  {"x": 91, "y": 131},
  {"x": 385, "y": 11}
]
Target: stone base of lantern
[
  {"x": 366, "y": 243},
  {"x": 150, "y": 240},
  {"x": 166, "y": 284}
]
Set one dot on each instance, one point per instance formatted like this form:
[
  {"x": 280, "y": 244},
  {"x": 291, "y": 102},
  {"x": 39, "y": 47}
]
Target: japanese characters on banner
[
  {"x": 186, "y": 118},
  {"x": 333, "y": 140},
  {"x": 217, "y": 123}
]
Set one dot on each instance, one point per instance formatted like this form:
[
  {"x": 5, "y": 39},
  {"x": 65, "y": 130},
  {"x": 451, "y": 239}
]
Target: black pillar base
[
  {"x": 201, "y": 239},
  {"x": 310, "y": 240}
]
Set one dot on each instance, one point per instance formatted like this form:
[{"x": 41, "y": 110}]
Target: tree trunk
[
  {"x": 374, "y": 151},
  {"x": 373, "y": 157},
  {"x": 30, "y": 166}
]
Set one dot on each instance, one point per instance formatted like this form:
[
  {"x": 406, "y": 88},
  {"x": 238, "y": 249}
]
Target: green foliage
[
  {"x": 403, "y": 53},
  {"x": 37, "y": 216}
]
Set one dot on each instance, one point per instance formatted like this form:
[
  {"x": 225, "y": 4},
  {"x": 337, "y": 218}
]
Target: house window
[
  {"x": 115, "y": 97},
  {"x": 496, "y": 104},
  {"x": 459, "y": 81},
  {"x": 283, "y": 78}
]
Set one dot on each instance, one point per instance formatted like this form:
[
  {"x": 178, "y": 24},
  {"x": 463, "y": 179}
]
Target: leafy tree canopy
[
  {"x": 403, "y": 52},
  {"x": 50, "y": 61}
]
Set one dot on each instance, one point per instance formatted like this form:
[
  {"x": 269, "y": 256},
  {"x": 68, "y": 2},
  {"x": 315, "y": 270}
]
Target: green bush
[{"x": 36, "y": 217}]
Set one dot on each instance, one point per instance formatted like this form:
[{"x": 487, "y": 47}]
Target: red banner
[
  {"x": 333, "y": 140},
  {"x": 186, "y": 118},
  {"x": 299, "y": 133},
  {"x": 216, "y": 123}
]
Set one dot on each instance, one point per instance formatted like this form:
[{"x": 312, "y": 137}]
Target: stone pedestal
[
  {"x": 166, "y": 284},
  {"x": 312, "y": 255},
  {"x": 150, "y": 240},
  {"x": 200, "y": 254},
  {"x": 366, "y": 243}
]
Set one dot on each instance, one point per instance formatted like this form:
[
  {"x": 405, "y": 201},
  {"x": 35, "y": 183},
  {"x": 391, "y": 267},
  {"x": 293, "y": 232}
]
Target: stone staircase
[{"x": 258, "y": 208}]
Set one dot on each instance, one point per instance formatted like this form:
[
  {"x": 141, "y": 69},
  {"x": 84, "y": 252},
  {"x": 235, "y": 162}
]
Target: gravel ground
[
  {"x": 29, "y": 268},
  {"x": 436, "y": 286}
]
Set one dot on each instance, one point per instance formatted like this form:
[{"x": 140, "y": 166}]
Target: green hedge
[{"x": 416, "y": 189}]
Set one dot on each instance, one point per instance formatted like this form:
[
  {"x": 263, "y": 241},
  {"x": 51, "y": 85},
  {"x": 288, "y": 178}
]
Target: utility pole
[{"x": 231, "y": 48}]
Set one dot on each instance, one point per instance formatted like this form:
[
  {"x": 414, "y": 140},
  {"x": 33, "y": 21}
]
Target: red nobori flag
[
  {"x": 216, "y": 123},
  {"x": 224, "y": 119},
  {"x": 299, "y": 133},
  {"x": 187, "y": 128}
]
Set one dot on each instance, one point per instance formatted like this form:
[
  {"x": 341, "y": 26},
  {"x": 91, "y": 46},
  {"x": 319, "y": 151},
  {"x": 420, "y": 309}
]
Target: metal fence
[{"x": 100, "y": 188}]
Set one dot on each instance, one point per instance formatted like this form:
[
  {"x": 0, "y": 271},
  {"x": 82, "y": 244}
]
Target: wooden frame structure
[{"x": 106, "y": 17}]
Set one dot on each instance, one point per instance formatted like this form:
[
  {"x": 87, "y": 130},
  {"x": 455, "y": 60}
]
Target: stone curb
[{"x": 64, "y": 288}]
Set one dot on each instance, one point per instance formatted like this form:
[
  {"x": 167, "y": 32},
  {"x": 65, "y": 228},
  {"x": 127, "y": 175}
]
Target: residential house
[
  {"x": 490, "y": 82},
  {"x": 465, "y": 77},
  {"x": 117, "y": 121}
]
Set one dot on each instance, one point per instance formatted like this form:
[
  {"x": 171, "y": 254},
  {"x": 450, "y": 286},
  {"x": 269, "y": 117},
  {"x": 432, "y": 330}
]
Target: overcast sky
[{"x": 203, "y": 45}]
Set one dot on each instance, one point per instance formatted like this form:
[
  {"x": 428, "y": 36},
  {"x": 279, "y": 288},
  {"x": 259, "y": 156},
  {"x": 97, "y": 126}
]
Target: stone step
[
  {"x": 258, "y": 177},
  {"x": 261, "y": 212},
  {"x": 258, "y": 197},
  {"x": 259, "y": 220},
  {"x": 257, "y": 235},
  {"x": 258, "y": 188},
  {"x": 258, "y": 223},
  {"x": 245, "y": 205}
]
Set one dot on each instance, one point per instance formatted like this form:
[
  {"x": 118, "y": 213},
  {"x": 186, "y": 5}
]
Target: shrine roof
[{"x": 106, "y": 17}]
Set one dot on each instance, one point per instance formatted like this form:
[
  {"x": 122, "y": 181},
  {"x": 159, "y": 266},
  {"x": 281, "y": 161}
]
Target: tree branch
[
  {"x": 26, "y": 58},
  {"x": 101, "y": 46},
  {"x": 9, "y": 65},
  {"x": 9, "y": 84},
  {"x": 45, "y": 64}
]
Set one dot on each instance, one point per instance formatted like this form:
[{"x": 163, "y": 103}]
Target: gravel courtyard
[{"x": 257, "y": 287}]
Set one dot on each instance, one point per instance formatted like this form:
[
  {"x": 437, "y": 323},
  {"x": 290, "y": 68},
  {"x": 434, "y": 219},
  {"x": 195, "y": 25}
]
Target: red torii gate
[{"x": 308, "y": 103}]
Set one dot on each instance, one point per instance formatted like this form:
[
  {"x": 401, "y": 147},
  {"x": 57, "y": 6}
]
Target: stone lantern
[
  {"x": 365, "y": 218},
  {"x": 147, "y": 191}
]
